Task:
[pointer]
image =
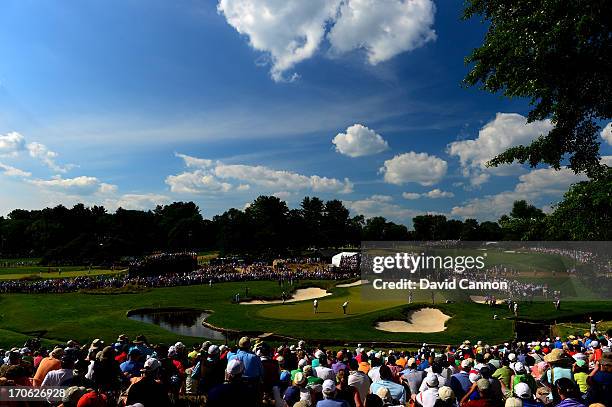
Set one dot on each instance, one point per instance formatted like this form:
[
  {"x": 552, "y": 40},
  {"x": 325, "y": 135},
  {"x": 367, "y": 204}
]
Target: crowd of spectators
[
  {"x": 208, "y": 274},
  {"x": 571, "y": 372}
]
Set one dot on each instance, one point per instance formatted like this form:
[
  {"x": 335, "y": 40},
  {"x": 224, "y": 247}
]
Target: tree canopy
[{"x": 558, "y": 54}]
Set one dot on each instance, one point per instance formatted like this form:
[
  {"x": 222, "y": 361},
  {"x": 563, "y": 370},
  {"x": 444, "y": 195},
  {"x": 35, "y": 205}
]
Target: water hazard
[{"x": 180, "y": 322}]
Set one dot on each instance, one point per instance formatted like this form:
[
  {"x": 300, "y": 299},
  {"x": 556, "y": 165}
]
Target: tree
[
  {"x": 585, "y": 213},
  {"x": 525, "y": 222},
  {"x": 557, "y": 54}
]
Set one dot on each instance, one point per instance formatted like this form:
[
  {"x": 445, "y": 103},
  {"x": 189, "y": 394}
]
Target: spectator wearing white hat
[
  {"x": 234, "y": 391},
  {"x": 146, "y": 389},
  {"x": 521, "y": 375},
  {"x": 428, "y": 396},
  {"x": 460, "y": 382},
  {"x": 329, "y": 396}
]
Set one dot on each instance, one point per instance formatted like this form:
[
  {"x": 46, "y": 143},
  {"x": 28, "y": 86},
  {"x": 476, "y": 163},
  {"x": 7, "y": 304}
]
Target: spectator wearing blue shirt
[
  {"x": 398, "y": 392},
  {"x": 329, "y": 396},
  {"x": 132, "y": 367},
  {"x": 253, "y": 369},
  {"x": 460, "y": 382}
]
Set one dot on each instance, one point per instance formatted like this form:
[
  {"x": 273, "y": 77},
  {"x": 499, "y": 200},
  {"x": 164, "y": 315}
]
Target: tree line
[{"x": 268, "y": 226}]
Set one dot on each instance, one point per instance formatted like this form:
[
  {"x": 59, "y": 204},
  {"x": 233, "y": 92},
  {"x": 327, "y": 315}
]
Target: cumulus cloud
[
  {"x": 11, "y": 143},
  {"x": 195, "y": 182},
  {"x": 218, "y": 178},
  {"x": 421, "y": 168},
  {"x": 359, "y": 141},
  {"x": 82, "y": 185},
  {"x": 606, "y": 133},
  {"x": 291, "y": 31},
  {"x": 11, "y": 171},
  {"x": 280, "y": 179},
  {"x": 136, "y": 201},
  {"x": 504, "y": 131},
  {"x": 383, "y": 29},
  {"x": 380, "y": 205},
  {"x": 533, "y": 186}
]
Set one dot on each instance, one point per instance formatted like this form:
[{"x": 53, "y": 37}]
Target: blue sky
[{"x": 133, "y": 103}]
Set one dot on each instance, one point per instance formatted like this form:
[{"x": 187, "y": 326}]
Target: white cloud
[
  {"x": 421, "y": 168},
  {"x": 433, "y": 194},
  {"x": 11, "y": 171},
  {"x": 283, "y": 195},
  {"x": 291, "y": 31},
  {"x": 504, "y": 131},
  {"x": 533, "y": 186},
  {"x": 195, "y": 182},
  {"x": 380, "y": 205},
  {"x": 606, "y": 160},
  {"x": 216, "y": 177},
  {"x": 136, "y": 201},
  {"x": 437, "y": 193},
  {"x": 359, "y": 141},
  {"x": 194, "y": 161},
  {"x": 606, "y": 133},
  {"x": 82, "y": 185},
  {"x": 46, "y": 156},
  {"x": 11, "y": 143},
  {"x": 411, "y": 195},
  {"x": 383, "y": 28},
  {"x": 280, "y": 179}
]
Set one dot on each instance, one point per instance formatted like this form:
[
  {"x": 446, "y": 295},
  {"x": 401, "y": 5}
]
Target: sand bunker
[
  {"x": 301, "y": 294},
  {"x": 424, "y": 320},
  {"x": 353, "y": 284},
  {"x": 478, "y": 299}
]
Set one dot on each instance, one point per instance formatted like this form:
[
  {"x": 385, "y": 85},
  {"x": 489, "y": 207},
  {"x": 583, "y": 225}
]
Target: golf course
[{"x": 84, "y": 315}]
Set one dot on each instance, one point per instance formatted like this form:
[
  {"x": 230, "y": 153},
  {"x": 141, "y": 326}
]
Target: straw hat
[{"x": 556, "y": 355}]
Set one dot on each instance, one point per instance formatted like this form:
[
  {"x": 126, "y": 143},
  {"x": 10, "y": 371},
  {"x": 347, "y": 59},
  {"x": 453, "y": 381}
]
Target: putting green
[{"x": 361, "y": 300}]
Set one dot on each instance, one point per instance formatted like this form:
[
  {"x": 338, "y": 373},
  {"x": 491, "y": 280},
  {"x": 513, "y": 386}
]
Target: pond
[{"x": 180, "y": 322}]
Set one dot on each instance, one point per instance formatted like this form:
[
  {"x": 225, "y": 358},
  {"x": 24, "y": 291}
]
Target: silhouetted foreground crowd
[{"x": 573, "y": 372}]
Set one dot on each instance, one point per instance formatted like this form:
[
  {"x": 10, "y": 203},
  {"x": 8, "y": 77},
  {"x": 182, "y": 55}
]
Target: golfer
[
  {"x": 315, "y": 305},
  {"x": 344, "y": 305}
]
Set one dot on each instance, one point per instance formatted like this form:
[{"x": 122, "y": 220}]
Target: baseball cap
[
  {"x": 244, "y": 342},
  {"x": 581, "y": 362},
  {"x": 234, "y": 367},
  {"x": 431, "y": 380},
  {"x": 483, "y": 384},
  {"x": 519, "y": 367},
  {"x": 213, "y": 350},
  {"x": 514, "y": 402},
  {"x": 522, "y": 390},
  {"x": 446, "y": 393},
  {"x": 465, "y": 363},
  {"x": 329, "y": 386},
  {"x": 150, "y": 365}
]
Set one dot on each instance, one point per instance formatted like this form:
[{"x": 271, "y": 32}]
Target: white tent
[{"x": 338, "y": 257}]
